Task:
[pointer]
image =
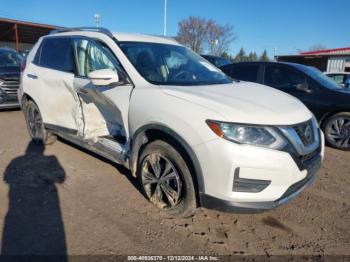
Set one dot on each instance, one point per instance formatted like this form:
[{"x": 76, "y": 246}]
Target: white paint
[
  {"x": 103, "y": 77},
  {"x": 184, "y": 110}
]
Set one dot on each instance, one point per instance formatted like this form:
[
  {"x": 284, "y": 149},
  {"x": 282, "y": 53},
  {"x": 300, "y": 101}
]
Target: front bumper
[
  {"x": 8, "y": 93},
  {"x": 8, "y": 101},
  {"x": 7, "y": 104},
  {"x": 283, "y": 171},
  {"x": 211, "y": 202}
]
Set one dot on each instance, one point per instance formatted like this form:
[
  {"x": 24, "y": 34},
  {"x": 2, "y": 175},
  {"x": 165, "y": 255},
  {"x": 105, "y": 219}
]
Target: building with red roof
[{"x": 327, "y": 60}]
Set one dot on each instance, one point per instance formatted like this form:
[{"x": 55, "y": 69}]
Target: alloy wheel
[
  {"x": 35, "y": 123},
  {"x": 338, "y": 132},
  {"x": 161, "y": 181}
]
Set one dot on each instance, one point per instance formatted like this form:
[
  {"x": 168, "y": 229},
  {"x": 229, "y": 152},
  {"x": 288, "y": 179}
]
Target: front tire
[
  {"x": 166, "y": 179},
  {"x": 337, "y": 131}
]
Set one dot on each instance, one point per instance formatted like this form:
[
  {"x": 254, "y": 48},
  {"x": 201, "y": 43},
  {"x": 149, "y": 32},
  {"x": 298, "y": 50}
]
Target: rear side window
[
  {"x": 57, "y": 53},
  {"x": 244, "y": 72}
]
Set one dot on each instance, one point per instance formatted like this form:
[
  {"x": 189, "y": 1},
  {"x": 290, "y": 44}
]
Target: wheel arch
[
  {"x": 26, "y": 97},
  {"x": 325, "y": 117},
  {"x": 152, "y": 132}
]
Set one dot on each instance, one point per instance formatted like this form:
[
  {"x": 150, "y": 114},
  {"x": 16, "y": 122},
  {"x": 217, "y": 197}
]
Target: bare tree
[
  {"x": 219, "y": 37},
  {"x": 193, "y": 33},
  {"x": 317, "y": 47},
  {"x": 199, "y": 34}
]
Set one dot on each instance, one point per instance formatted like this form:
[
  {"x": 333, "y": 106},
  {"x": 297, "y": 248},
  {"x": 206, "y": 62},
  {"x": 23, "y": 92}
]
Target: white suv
[{"x": 192, "y": 135}]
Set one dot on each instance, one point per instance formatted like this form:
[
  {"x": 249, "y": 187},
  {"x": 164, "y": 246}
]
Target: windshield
[
  {"x": 320, "y": 77},
  {"x": 9, "y": 58},
  {"x": 163, "y": 64}
]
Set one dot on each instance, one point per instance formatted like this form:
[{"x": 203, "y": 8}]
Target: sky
[{"x": 286, "y": 25}]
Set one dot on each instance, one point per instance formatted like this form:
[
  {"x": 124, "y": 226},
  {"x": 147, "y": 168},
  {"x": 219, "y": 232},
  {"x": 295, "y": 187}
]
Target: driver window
[
  {"x": 91, "y": 56},
  {"x": 283, "y": 78}
]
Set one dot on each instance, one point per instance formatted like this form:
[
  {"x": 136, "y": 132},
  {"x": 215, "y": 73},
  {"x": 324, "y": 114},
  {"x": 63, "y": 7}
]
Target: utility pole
[
  {"x": 165, "y": 3},
  {"x": 97, "y": 19}
]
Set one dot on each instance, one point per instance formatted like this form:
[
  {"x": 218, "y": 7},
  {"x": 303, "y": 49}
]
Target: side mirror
[
  {"x": 103, "y": 77},
  {"x": 347, "y": 83},
  {"x": 303, "y": 88}
]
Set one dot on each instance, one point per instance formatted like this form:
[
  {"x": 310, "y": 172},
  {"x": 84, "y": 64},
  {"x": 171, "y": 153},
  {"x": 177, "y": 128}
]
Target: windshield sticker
[{"x": 210, "y": 67}]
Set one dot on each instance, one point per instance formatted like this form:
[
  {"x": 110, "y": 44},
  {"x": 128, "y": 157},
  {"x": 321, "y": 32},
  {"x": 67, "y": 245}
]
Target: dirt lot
[{"x": 66, "y": 201}]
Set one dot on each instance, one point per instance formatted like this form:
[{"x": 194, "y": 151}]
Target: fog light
[{"x": 248, "y": 185}]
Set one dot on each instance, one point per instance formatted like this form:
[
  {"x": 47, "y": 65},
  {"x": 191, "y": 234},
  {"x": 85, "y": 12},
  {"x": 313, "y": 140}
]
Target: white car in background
[
  {"x": 341, "y": 78},
  {"x": 192, "y": 135}
]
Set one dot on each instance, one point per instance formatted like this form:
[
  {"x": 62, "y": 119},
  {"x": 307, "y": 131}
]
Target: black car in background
[
  {"x": 10, "y": 62},
  {"x": 324, "y": 97},
  {"x": 216, "y": 60}
]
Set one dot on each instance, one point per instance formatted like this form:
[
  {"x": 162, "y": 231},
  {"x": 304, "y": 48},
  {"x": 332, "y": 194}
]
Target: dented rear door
[{"x": 51, "y": 77}]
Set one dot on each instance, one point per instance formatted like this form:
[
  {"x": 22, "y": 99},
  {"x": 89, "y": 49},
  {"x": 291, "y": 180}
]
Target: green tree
[
  {"x": 264, "y": 56},
  {"x": 241, "y": 56},
  {"x": 252, "y": 57},
  {"x": 227, "y": 56}
]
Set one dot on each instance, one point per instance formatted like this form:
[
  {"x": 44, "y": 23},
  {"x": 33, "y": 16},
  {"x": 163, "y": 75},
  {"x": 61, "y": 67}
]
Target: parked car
[
  {"x": 328, "y": 101},
  {"x": 342, "y": 78},
  {"x": 186, "y": 130},
  {"x": 217, "y": 60},
  {"x": 10, "y": 62}
]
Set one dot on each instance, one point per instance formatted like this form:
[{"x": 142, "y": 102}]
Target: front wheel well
[
  {"x": 142, "y": 139},
  {"x": 26, "y": 98}
]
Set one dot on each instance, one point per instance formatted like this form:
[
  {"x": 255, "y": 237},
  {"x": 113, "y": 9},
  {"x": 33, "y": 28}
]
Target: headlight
[{"x": 248, "y": 134}]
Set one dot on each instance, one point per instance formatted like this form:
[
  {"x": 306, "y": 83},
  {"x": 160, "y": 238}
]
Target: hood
[{"x": 245, "y": 102}]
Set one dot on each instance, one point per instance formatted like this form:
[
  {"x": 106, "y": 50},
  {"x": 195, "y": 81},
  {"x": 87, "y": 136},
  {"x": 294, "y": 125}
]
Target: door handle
[
  {"x": 32, "y": 76},
  {"x": 82, "y": 91}
]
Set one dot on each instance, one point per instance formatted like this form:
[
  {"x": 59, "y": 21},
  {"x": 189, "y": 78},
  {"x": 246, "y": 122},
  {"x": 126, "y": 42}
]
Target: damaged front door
[{"x": 104, "y": 108}]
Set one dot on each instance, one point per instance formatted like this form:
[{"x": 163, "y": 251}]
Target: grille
[
  {"x": 306, "y": 159},
  {"x": 305, "y": 133},
  {"x": 9, "y": 86}
]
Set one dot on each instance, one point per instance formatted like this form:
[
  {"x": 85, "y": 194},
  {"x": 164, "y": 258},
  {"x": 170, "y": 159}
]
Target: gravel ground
[{"x": 65, "y": 201}]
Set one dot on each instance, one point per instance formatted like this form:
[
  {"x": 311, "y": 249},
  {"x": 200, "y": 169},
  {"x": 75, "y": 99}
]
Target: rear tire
[
  {"x": 166, "y": 179},
  {"x": 35, "y": 124},
  {"x": 337, "y": 131}
]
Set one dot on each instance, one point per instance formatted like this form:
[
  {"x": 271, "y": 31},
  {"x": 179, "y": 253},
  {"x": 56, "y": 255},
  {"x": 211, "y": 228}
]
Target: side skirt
[{"x": 105, "y": 147}]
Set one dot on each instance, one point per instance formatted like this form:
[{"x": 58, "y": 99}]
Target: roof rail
[{"x": 91, "y": 29}]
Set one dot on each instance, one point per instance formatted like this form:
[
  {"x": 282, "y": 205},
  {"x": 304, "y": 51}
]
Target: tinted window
[
  {"x": 57, "y": 53},
  {"x": 318, "y": 76},
  {"x": 283, "y": 78},
  {"x": 340, "y": 79},
  {"x": 91, "y": 56},
  {"x": 244, "y": 72},
  {"x": 9, "y": 58},
  {"x": 217, "y": 61}
]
